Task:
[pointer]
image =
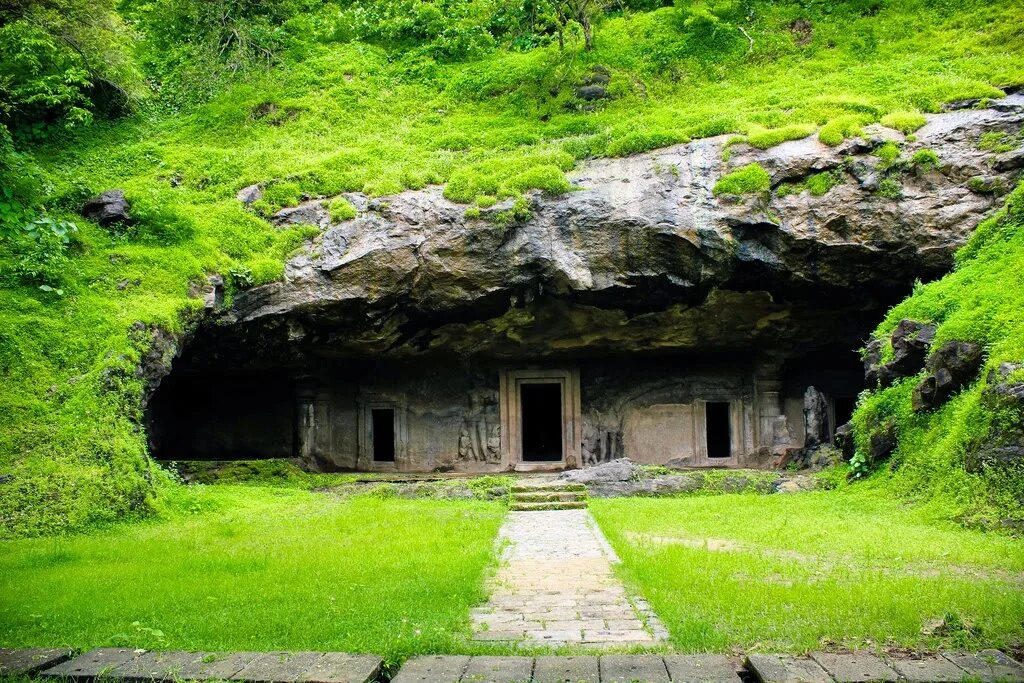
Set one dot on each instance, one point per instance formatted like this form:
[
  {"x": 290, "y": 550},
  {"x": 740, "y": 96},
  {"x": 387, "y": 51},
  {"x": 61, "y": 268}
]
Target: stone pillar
[
  {"x": 312, "y": 424},
  {"x": 773, "y": 430},
  {"x": 816, "y": 420}
]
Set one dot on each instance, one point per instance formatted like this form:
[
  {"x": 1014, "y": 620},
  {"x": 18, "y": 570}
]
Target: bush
[
  {"x": 750, "y": 179},
  {"x": 763, "y": 139},
  {"x": 642, "y": 141},
  {"x": 840, "y": 128}
]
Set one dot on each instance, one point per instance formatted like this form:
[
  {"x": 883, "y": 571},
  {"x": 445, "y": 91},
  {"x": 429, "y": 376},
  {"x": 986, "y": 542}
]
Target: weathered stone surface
[
  {"x": 341, "y": 667},
  {"x": 156, "y": 666},
  {"x": 307, "y": 213},
  {"x": 566, "y": 670},
  {"x": 618, "y": 470},
  {"x": 108, "y": 208},
  {"x": 951, "y": 367},
  {"x": 217, "y": 666},
  {"x": 250, "y": 194},
  {"x": 498, "y": 670},
  {"x": 988, "y": 666},
  {"x": 855, "y": 667},
  {"x": 590, "y": 93},
  {"x": 815, "y": 418},
  {"x": 277, "y": 667},
  {"x": 28, "y": 661},
  {"x": 633, "y": 669},
  {"x": 428, "y": 277},
  {"x": 94, "y": 663},
  {"x": 702, "y": 668},
  {"x": 786, "y": 669},
  {"x": 843, "y": 440},
  {"x": 928, "y": 670},
  {"x": 432, "y": 669}
]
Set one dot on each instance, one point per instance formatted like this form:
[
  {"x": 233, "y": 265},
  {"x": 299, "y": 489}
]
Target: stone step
[
  {"x": 548, "y": 496},
  {"x": 565, "y": 505},
  {"x": 548, "y": 486}
]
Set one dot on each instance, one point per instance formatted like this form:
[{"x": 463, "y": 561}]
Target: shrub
[
  {"x": 764, "y": 139},
  {"x": 840, "y": 128},
  {"x": 887, "y": 153},
  {"x": 925, "y": 160},
  {"x": 820, "y": 183},
  {"x": 750, "y": 179},
  {"x": 904, "y": 121},
  {"x": 341, "y": 209},
  {"x": 642, "y": 141},
  {"x": 889, "y": 188}
]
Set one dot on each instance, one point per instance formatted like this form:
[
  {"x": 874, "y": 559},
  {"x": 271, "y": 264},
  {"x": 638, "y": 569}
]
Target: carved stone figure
[{"x": 480, "y": 436}]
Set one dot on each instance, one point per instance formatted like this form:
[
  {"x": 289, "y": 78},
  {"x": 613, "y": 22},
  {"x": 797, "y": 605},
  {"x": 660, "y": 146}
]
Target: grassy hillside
[
  {"x": 357, "y": 98},
  {"x": 936, "y": 460}
]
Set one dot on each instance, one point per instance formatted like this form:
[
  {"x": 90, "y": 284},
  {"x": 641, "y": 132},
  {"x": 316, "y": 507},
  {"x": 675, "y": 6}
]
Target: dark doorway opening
[
  {"x": 541, "y": 410},
  {"x": 383, "y": 434},
  {"x": 842, "y": 409},
  {"x": 718, "y": 430}
]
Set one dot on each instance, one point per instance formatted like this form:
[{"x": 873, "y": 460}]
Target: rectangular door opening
[
  {"x": 717, "y": 430},
  {"x": 382, "y": 434},
  {"x": 542, "y": 421}
]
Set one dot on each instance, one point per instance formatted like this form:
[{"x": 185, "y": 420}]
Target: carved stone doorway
[{"x": 541, "y": 426}]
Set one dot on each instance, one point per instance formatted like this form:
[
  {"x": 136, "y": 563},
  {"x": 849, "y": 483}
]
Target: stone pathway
[
  {"x": 556, "y": 587},
  {"x": 141, "y": 666},
  {"x": 987, "y": 666}
]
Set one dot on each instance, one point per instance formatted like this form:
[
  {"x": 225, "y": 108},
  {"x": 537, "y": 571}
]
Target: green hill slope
[{"x": 378, "y": 97}]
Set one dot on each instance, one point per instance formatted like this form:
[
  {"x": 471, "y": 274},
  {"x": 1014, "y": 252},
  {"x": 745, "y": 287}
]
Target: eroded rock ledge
[{"x": 643, "y": 255}]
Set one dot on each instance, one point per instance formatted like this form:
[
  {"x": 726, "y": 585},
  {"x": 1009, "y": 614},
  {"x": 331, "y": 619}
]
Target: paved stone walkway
[
  {"x": 987, "y": 666},
  {"x": 556, "y": 587}
]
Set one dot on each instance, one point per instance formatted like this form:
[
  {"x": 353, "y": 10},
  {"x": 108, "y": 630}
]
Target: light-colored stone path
[{"x": 556, "y": 586}]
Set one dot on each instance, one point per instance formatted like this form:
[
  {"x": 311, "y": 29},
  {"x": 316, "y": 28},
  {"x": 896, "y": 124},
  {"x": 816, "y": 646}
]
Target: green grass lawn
[
  {"x": 252, "y": 568},
  {"x": 824, "y": 569}
]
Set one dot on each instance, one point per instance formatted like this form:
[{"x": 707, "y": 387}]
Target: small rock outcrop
[
  {"x": 911, "y": 341},
  {"x": 815, "y": 418},
  {"x": 951, "y": 367},
  {"x": 108, "y": 208},
  {"x": 621, "y": 469},
  {"x": 1004, "y": 447},
  {"x": 250, "y": 195}
]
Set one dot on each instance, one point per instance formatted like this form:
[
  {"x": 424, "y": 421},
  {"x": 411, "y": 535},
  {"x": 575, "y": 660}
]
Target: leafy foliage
[{"x": 750, "y": 179}]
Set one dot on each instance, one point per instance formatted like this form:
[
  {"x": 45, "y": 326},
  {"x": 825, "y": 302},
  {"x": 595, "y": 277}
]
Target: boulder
[
  {"x": 910, "y": 343},
  {"x": 622, "y": 469},
  {"x": 249, "y": 195},
  {"x": 883, "y": 442},
  {"x": 952, "y": 366},
  {"x": 843, "y": 440},
  {"x": 590, "y": 93},
  {"x": 108, "y": 208}
]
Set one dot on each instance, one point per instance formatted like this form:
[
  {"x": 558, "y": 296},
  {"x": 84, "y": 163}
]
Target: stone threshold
[{"x": 139, "y": 666}]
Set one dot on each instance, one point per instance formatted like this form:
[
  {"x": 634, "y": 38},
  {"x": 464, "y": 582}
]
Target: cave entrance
[
  {"x": 382, "y": 434},
  {"x": 542, "y": 421}
]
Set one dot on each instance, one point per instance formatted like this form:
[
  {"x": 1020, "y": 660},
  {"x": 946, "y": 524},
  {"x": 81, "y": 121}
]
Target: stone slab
[
  {"x": 928, "y": 670},
  {"x": 629, "y": 668},
  {"x": 432, "y": 669},
  {"x": 566, "y": 670},
  {"x": 988, "y": 666},
  {"x": 155, "y": 666},
  {"x": 702, "y": 669},
  {"x": 786, "y": 669},
  {"x": 30, "y": 660},
  {"x": 277, "y": 667},
  {"x": 93, "y": 664},
  {"x": 855, "y": 667},
  {"x": 341, "y": 667},
  {"x": 498, "y": 670},
  {"x": 216, "y": 665}
]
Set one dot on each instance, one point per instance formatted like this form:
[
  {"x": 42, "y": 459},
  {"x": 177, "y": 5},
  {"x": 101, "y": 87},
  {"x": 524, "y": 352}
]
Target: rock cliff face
[{"x": 643, "y": 255}]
